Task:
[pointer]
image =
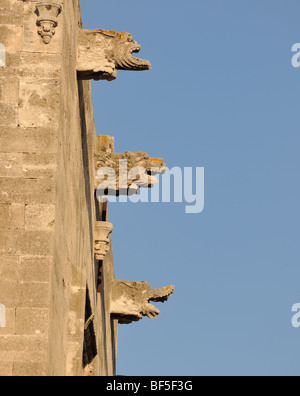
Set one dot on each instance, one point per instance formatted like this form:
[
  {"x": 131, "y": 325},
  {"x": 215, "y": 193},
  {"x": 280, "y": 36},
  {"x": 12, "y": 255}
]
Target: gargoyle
[
  {"x": 130, "y": 301},
  {"x": 101, "y": 52},
  {"x": 126, "y": 172},
  {"x": 132, "y": 170}
]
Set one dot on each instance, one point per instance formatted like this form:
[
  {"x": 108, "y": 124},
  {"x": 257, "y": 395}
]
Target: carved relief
[
  {"x": 127, "y": 172},
  {"x": 102, "y": 52},
  {"x": 47, "y": 20},
  {"x": 130, "y": 301},
  {"x": 103, "y": 229}
]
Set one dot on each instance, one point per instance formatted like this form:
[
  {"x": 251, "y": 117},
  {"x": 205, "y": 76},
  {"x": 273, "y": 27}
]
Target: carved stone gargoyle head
[
  {"x": 123, "y": 48},
  {"x": 130, "y": 171},
  {"x": 101, "y": 52},
  {"x": 130, "y": 300},
  {"x": 103, "y": 229}
]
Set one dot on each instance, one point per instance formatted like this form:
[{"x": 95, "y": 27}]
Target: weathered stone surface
[
  {"x": 17, "y": 216},
  {"x": 12, "y": 61},
  {"x": 29, "y": 369},
  {"x": 39, "y": 217},
  {"x": 24, "y": 294},
  {"x": 33, "y": 243},
  {"x": 27, "y": 242},
  {"x": 33, "y": 295},
  {"x": 32, "y": 321},
  {"x": 5, "y": 244},
  {"x": 38, "y": 104},
  {"x": 11, "y": 37},
  {"x": 4, "y": 216},
  {"x": 8, "y": 115},
  {"x": 11, "y": 12},
  {"x": 28, "y": 140},
  {"x": 22, "y": 190},
  {"x": 39, "y": 65},
  {"x": 39, "y": 165},
  {"x": 9, "y": 90},
  {"x": 23, "y": 348},
  {"x": 11, "y": 165},
  {"x": 8, "y": 293},
  {"x": 6, "y": 369},
  {"x": 34, "y": 269},
  {"x": 9, "y": 267}
]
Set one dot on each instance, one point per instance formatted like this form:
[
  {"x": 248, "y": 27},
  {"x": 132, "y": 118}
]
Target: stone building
[{"x": 60, "y": 304}]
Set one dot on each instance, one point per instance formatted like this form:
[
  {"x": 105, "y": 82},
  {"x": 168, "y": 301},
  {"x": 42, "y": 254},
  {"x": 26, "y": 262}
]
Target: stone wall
[
  {"x": 61, "y": 312},
  {"x": 47, "y": 209}
]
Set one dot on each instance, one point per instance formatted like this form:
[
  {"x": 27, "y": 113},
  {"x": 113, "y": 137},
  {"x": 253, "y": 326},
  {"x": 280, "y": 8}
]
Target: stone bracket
[
  {"x": 103, "y": 229},
  {"x": 47, "y": 19}
]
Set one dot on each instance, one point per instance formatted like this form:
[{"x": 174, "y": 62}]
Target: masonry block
[
  {"x": 34, "y": 269},
  {"x": 11, "y": 165},
  {"x": 28, "y": 140},
  {"x": 32, "y": 321},
  {"x": 11, "y": 37},
  {"x": 9, "y": 268},
  {"x": 8, "y": 115},
  {"x": 21, "y": 190},
  {"x": 33, "y": 243},
  {"x": 9, "y": 89},
  {"x": 29, "y": 369},
  {"x": 17, "y": 216},
  {"x": 11, "y": 12},
  {"x": 39, "y": 102},
  {"x": 6, "y": 369},
  {"x": 39, "y": 165},
  {"x": 25, "y": 349},
  {"x": 4, "y": 216}
]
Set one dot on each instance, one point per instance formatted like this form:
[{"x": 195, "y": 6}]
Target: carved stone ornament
[
  {"x": 47, "y": 20},
  {"x": 130, "y": 301},
  {"x": 126, "y": 172},
  {"x": 101, "y": 53},
  {"x": 103, "y": 229}
]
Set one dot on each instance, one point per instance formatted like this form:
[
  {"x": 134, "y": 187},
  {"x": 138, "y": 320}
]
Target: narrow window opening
[{"x": 89, "y": 342}]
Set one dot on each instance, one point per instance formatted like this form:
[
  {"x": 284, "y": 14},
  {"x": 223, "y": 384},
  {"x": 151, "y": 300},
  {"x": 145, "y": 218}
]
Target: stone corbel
[
  {"x": 47, "y": 19},
  {"x": 124, "y": 174},
  {"x": 130, "y": 301},
  {"x": 101, "y": 53},
  {"x": 103, "y": 229}
]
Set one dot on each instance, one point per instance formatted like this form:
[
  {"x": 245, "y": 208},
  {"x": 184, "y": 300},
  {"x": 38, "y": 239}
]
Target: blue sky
[{"x": 222, "y": 95}]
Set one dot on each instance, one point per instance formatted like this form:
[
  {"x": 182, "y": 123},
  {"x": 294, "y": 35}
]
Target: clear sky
[{"x": 222, "y": 95}]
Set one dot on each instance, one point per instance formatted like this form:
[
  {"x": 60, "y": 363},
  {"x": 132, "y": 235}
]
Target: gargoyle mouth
[
  {"x": 162, "y": 295},
  {"x": 156, "y": 171},
  {"x": 130, "y": 62}
]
